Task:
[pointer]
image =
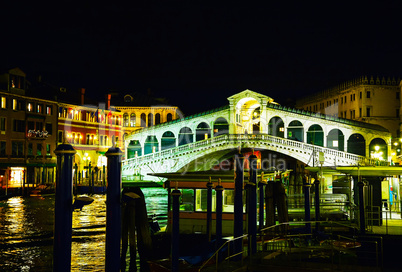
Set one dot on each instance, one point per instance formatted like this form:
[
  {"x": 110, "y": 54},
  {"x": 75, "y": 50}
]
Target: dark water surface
[{"x": 26, "y": 232}]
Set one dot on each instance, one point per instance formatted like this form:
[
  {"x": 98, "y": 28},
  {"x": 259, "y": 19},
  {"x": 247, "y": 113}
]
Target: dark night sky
[{"x": 203, "y": 49}]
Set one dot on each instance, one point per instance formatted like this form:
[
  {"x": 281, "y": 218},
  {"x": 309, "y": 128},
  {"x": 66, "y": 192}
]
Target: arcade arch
[
  {"x": 315, "y": 135},
  {"x": 295, "y": 131},
  {"x": 221, "y": 126},
  {"x": 202, "y": 132},
  {"x": 185, "y": 136},
  {"x": 357, "y": 144},
  {"x": 276, "y": 127},
  {"x": 335, "y": 139},
  {"x": 168, "y": 140},
  {"x": 378, "y": 149}
]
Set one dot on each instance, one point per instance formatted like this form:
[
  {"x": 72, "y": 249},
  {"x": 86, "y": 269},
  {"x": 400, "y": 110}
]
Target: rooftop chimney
[
  {"x": 108, "y": 101},
  {"x": 82, "y": 95}
]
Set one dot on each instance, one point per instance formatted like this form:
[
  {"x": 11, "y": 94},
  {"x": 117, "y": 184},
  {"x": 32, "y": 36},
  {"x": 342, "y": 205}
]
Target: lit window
[
  {"x": 39, "y": 108},
  {"x": 3, "y": 102},
  {"x": 49, "y": 110},
  {"x": 2, "y": 123},
  {"x": 29, "y": 106},
  {"x": 14, "y": 104}
]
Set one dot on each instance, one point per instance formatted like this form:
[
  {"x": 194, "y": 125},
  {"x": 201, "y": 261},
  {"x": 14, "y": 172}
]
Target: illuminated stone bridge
[{"x": 251, "y": 121}]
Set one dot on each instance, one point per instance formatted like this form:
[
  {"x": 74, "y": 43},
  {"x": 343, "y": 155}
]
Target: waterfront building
[
  {"x": 372, "y": 100},
  {"x": 141, "y": 111},
  {"x": 28, "y": 127},
  {"x": 91, "y": 131},
  {"x": 37, "y": 116}
]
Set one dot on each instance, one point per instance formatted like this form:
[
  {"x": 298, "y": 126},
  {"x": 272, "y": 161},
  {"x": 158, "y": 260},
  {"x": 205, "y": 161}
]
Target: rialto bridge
[{"x": 252, "y": 121}]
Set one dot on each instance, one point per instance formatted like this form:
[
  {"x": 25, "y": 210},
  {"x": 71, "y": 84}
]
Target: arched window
[
  {"x": 143, "y": 120},
  {"x": 125, "y": 120},
  {"x": 133, "y": 120},
  {"x": 157, "y": 119},
  {"x": 150, "y": 120},
  {"x": 169, "y": 117}
]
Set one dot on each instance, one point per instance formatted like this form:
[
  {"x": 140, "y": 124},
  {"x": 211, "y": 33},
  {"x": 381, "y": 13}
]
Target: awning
[{"x": 380, "y": 171}]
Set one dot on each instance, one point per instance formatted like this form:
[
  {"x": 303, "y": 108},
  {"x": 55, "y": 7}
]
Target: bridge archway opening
[
  {"x": 378, "y": 149},
  {"x": 185, "y": 136},
  {"x": 168, "y": 140},
  {"x": 296, "y": 131},
  {"x": 134, "y": 149},
  {"x": 315, "y": 135},
  {"x": 276, "y": 127},
  {"x": 357, "y": 144},
  {"x": 221, "y": 126},
  {"x": 202, "y": 132},
  {"x": 248, "y": 115},
  {"x": 151, "y": 145},
  {"x": 335, "y": 140}
]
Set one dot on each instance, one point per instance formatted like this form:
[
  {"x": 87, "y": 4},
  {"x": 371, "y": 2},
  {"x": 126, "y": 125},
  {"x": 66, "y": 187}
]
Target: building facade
[
  {"x": 367, "y": 99},
  {"x": 28, "y": 129}
]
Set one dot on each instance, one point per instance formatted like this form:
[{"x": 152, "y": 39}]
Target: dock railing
[
  {"x": 336, "y": 239},
  {"x": 230, "y": 256}
]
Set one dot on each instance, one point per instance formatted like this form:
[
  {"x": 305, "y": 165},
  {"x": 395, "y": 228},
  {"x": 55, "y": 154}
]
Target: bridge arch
[
  {"x": 378, "y": 149},
  {"x": 168, "y": 140},
  {"x": 357, "y": 144},
  {"x": 221, "y": 126},
  {"x": 336, "y": 139},
  {"x": 295, "y": 131},
  {"x": 247, "y": 114},
  {"x": 185, "y": 136},
  {"x": 276, "y": 127},
  {"x": 315, "y": 135},
  {"x": 202, "y": 132}
]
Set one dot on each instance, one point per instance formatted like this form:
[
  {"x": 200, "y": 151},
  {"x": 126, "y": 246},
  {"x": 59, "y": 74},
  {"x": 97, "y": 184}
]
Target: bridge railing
[{"x": 241, "y": 138}]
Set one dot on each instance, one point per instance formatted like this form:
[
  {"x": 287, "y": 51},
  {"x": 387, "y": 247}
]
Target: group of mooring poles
[
  {"x": 251, "y": 188},
  {"x": 64, "y": 207}
]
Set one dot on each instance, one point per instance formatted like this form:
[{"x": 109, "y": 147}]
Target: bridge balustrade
[{"x": 264, "y": 139}]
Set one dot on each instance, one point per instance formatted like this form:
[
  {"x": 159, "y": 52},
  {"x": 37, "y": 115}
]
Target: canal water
[{"x": 26, "y": 231}]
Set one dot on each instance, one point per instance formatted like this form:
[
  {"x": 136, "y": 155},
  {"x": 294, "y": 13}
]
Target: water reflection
[{"x": 26, "y": 232}]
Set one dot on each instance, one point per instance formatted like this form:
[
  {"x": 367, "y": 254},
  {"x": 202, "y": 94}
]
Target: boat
[{"x": 43, "y": 190}]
